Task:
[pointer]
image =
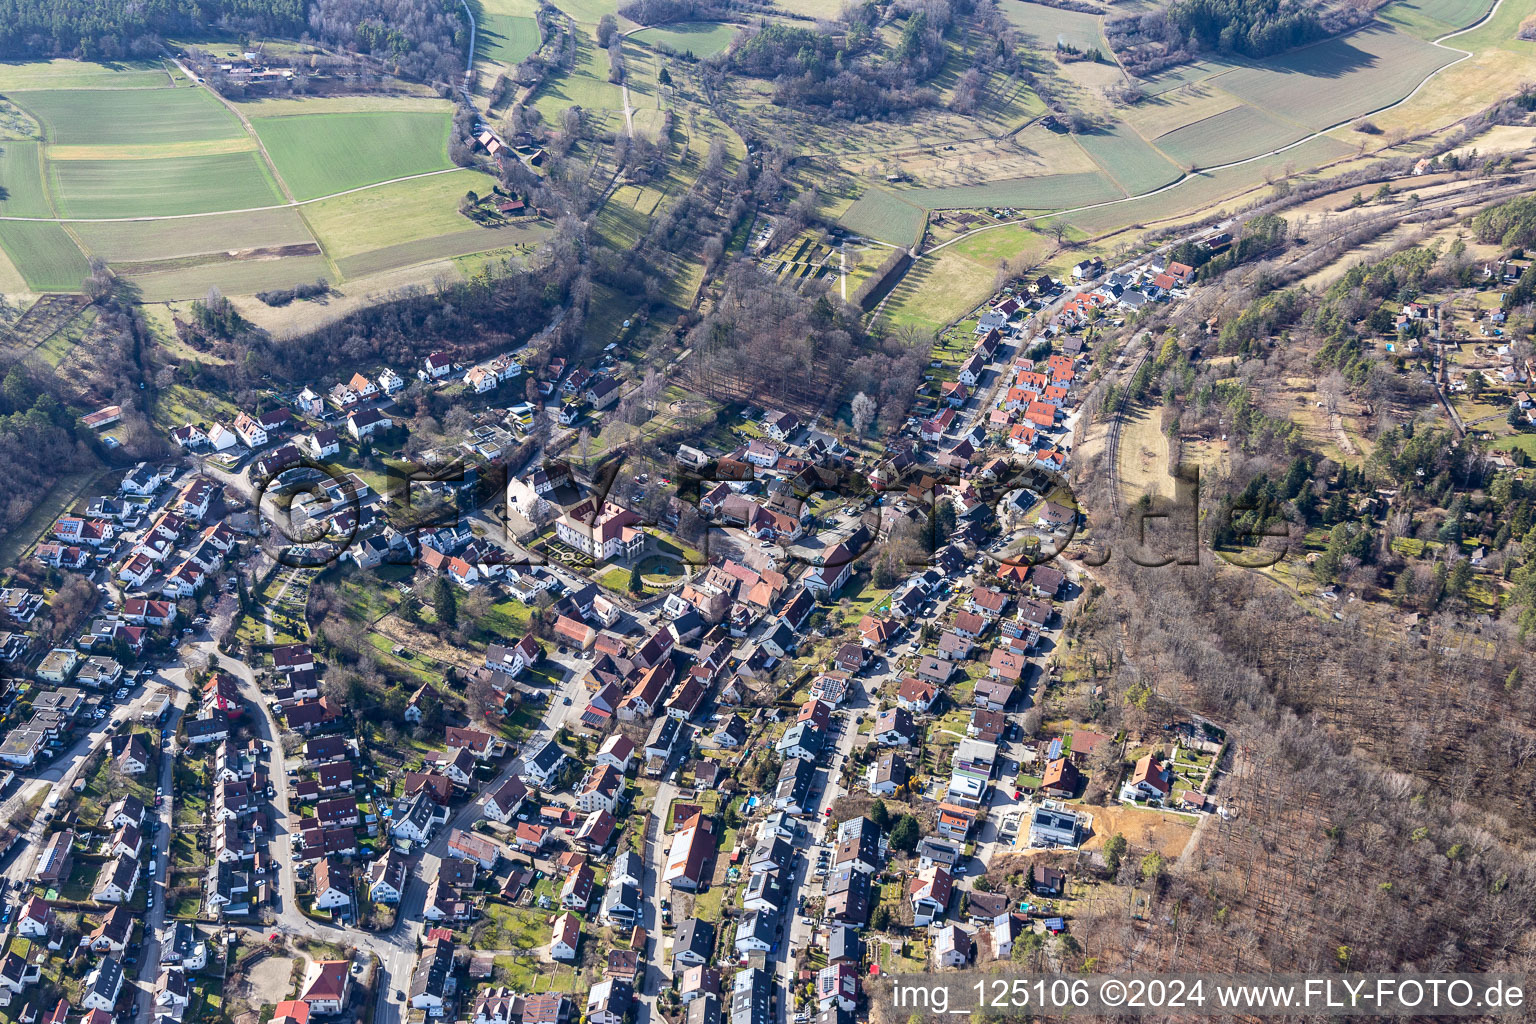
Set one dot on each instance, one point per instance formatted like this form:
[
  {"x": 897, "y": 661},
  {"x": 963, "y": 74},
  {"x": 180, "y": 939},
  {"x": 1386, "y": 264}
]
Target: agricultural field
[
  {"x": 1337, "y": 79},
  {"x": 408, "y": 222},
  {"x": 1199, "y": 191},
  {"x": 1227, "y": 137},
  {"x": 1182, "y": 75},
  {"x": 700, "y": 38},
  {"x": 589, "y": 12},
  {"x": 889, "y": 218},
  {"x": 1127, "y": 158},
  {"x": 74, "y": 74},
  {"x": 47, "y": 257},
  {"x": 132, "y": 241},
  {"x": 114, "y": 145},
  {"x": 114, "y": 117},
  {"x": 236, "y": 277},
  {"x": 1047, "y": 192},
  {"x": 1050, "y": 26},
  {"x": 21, "y": 174},
  {"x": 1431, "y": 19},
  {"x": 1180, "y": 106},
  {"x": 162, "y": 187},
  {"x": 322, "y": 154}
]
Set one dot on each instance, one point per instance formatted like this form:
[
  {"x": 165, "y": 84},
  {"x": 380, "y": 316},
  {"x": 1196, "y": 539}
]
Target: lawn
[
  {"x": 179, "y": 404},
  {"x": 321, "y": 154},
  {"x": 1128, "y": 159},
  {"x": 106, "y": 117},
  {"x": 45, "y": 254},
  {"x": 700, "y": 38},
  {"x": 1338, "y": 79},
  {"x": 21, "y": 176},
  {"x": 147, "y": 188}
]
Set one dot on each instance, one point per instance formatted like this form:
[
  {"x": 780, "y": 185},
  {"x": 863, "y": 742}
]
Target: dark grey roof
[
  {"x": 750, "y": 995},
  {"x": 433, "y": 970},
  {"x": 704, "y": 1010},
  {"x": 694, "y": 935},
  {"x": 108, "y": 977},
  {"x": 548, "y": 756},
  {"x": 843, "y": 943}
]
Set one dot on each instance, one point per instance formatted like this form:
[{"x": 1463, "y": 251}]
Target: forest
[
  {"x": 765, "y": 339},
  {"x": 849, "y": 75},
  {"x": 114, "y": 29},
  {"x": 422, "y": 39},
  {"x": 664, "y": 12},
  {"x": 1149, "y": 41}
]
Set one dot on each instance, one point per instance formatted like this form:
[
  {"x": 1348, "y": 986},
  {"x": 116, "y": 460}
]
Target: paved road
[{"x": 159, "y": 850}]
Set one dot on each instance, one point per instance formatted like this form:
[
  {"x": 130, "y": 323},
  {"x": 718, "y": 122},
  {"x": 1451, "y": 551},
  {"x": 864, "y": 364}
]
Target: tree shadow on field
[{"x": 1327, "y": 58}]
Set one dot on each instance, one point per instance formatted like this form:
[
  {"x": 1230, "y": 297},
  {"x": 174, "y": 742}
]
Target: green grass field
[
  {"x": 446, "y": 246},
  {"x": 45, "y": 254},
  {"x": 1430, "y": 19},
  {"x": 1337, "y": 79},
  {"x": 1050, "y": 25},
  {"x": 403, "y": 211},
  {"x": 1005, "y": 243},
  {"x": 700, "y": 38},
  {"x": 322, "y": 154},
  {"x": 167, "y": 239},
  {"x": 154, "y": 188},
  {"x": 588, "y": 12},
  {"x": 73, "y": 74},
  {"x": 937, "y": 291},
  {"x": 1226, "y": 137},
  {"x": 1127, "y": 158},
  {"x": 879, "y": 214},
  {"x": 21, "y": 176},
  {"x": 105, "y": 117},
  {"x": 506, "y": 38},
  {"x": 586, "y": 85}
]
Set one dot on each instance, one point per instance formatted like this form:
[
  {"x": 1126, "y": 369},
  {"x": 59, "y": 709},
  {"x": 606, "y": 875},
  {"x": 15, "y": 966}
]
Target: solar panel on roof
[{"x": 1054, "y": 751}]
